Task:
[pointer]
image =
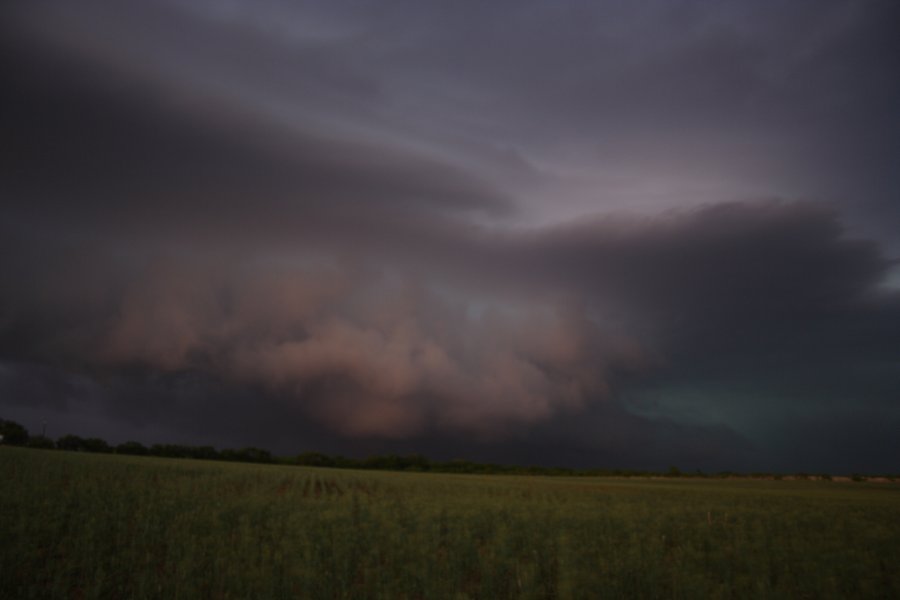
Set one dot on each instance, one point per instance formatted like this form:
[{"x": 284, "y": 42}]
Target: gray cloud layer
[{"x": 358, "y": 228}]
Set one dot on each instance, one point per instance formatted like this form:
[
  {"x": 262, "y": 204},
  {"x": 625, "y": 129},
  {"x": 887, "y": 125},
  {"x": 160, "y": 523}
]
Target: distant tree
[
  {"x": 132, "y": 448},
  {"x": 70, "y": 442},
  {"x": 40, "y": 441},
  {"x": 417, "y": 462},
  {"x": 204, "y": 452},
  {"x": 390, "y": 462},
  {"x": 251, "y": 454},
  {"x": 315, "y": 459},
  {"x": 158, "y": 450},
  {"x": 343, "y": 462},
  {"x": 96, "y": 445},
  {"x": 459, "y": 466},
  {"x": 13, "y": 433},
  {"x": 674, "y": 471},
  {"x": 169, "y": 450},
  {"x": 178, "y": 451}
]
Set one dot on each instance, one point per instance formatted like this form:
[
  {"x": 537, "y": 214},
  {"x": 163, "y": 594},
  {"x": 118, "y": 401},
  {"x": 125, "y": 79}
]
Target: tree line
[{"x": 14, "y": 434}]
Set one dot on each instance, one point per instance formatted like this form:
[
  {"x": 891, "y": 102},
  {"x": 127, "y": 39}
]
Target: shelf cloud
[{"x": 547, "y": 232}]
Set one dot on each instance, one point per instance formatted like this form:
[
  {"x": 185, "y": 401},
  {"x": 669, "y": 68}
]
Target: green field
[{"x": 80, "y": 525}]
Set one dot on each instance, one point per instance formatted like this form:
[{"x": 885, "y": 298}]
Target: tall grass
[{"x": 76, "y": 525}]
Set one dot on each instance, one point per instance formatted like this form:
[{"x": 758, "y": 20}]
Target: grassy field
[{"x": 78, "y": 525}]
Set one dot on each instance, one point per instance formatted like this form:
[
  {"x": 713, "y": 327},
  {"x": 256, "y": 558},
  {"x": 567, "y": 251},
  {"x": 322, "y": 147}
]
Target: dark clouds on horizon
[{"x": 532, "y": 232}]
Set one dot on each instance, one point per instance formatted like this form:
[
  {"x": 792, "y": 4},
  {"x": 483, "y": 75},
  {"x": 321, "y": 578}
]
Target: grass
[{"x": 76, "y": 525}]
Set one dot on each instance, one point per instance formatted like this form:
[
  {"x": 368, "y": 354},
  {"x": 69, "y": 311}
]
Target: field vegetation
[{"x": 80, "y": 525}]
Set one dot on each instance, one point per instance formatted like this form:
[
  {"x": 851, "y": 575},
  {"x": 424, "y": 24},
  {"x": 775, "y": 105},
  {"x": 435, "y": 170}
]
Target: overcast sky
[{"x": 613, "y": 234}]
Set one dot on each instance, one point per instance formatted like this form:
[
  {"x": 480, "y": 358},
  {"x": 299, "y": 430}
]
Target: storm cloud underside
[{"x": 539, "y": 232}]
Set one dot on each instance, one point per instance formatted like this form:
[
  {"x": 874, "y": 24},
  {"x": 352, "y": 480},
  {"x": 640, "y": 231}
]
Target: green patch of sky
[{"x": 745, "y": 411}]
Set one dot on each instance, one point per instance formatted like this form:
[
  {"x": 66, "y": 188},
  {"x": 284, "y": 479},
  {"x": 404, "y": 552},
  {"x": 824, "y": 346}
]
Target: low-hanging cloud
[
  {"x": 541, "y": 323},
  {"x": 376, "y": 356}
]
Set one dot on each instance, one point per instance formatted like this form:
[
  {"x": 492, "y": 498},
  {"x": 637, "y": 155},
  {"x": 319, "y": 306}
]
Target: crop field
[{"x": 80, "y": 526}]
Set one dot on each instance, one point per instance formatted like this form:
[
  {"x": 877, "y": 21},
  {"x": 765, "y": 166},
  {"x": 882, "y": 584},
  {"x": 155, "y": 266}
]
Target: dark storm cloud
[
  {"x": 765, "y": 258},
  {"x": 669, "y": 100},
  {"x": 615, "y": 308},
  {"x": 366, "y": 353},
  {"x": 274, "y": 221},
  {"x": 767, "y": 316},
  {"x": 112, "y": 161},
  {"x": 597, "y": 106}
]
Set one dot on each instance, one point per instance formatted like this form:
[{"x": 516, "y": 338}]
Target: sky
[{"x": 588, "y": 234}]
